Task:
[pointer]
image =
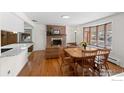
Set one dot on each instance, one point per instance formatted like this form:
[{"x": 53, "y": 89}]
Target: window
[
  {"x": 93, "y": 36},
  {"x": 86, "y": 34},
  {"x": 100, "y": 35},
  {"x": 108, "y": 35}
]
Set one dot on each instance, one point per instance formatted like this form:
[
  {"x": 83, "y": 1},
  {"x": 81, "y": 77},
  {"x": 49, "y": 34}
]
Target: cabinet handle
[{"x": 9, "y": 72}]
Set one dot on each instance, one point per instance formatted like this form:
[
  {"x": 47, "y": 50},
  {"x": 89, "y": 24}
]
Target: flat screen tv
[{"x": 56, "y": 32}]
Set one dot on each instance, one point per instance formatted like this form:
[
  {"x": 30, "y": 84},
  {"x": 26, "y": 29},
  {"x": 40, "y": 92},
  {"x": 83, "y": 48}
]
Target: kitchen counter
[{"x": 17, "y": 49}]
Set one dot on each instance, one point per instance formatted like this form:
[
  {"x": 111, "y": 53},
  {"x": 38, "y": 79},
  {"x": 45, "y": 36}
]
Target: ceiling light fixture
[{"x": 65, "y": 16}]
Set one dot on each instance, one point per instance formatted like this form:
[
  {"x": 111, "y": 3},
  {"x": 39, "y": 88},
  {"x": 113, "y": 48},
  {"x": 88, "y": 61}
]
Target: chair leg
[
  {"x": 61, "y": 69},
  {"x": 99, "y": 69},
  {"x": 107, "y": 68},
  {"x": 75, "y": 69},
  {"x": 82, "y": 71}
]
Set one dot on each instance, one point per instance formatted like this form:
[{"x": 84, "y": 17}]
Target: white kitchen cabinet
[
  {"x": 11, "y": 22},
  {"x": 6, "y": 68},
  {"x": 11, "y": 66}
]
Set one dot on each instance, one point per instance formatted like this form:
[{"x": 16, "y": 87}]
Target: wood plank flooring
[{"x": 39, "y": 66}]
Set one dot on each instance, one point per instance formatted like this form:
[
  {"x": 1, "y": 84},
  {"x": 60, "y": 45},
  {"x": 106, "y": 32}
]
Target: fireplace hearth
[{"x": 56, "y": 41}]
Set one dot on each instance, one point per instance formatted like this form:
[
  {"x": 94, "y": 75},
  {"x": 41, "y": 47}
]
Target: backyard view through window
[{"x": 99, "y": 35}]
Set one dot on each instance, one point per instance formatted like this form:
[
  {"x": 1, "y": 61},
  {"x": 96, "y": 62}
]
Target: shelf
[{"x": 58, "y": 35}]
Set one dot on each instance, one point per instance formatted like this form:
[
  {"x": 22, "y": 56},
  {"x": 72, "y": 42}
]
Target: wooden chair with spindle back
[
  {"x": 71, "y": 45},
  {"x": 101, "y": 59},
  {"x": 88, "y": 61},
  {"x": 67, "y": 64}
]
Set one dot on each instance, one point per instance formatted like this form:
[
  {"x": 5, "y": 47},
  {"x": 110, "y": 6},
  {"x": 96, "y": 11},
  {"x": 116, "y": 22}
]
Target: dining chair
[
  {"x": 101, "y": 60},
  {"x": 88, "y": 61},
  {"x": 67, "y": 64},
  {"x": 71, "y": 45}
]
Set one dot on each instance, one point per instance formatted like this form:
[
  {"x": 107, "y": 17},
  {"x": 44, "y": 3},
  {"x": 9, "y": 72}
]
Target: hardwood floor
[{"x": 39, "y": 66}]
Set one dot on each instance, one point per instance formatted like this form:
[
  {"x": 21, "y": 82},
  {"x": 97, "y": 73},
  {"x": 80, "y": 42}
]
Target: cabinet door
[
  {"x": 11, "y": 66},
  {"x": 30, "y": 49},
  {"x": 11, "y": 37},
  {"x": 6, "y": 67},
  {"x": 8, "y": 38},
  {"x": 3, "y": 38}
]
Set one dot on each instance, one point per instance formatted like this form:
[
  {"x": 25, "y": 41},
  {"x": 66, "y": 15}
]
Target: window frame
[{"x": 88, "y": 39}]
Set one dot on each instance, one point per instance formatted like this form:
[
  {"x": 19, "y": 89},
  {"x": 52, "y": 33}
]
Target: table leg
[{"x": 75, "y": 67}]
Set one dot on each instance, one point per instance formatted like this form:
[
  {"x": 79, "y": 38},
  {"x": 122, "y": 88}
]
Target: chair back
[
  {"x": 88, "y": 57},
  {"x": 103, "y": 54}
]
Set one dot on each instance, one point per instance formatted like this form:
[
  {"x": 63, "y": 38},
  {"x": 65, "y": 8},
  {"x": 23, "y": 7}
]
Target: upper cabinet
[
  {"x": 11, "y": 22},
  {"x": 8, "y": 38}
]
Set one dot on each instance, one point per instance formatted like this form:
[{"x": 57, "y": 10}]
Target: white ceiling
[{"x": 75, "y": 17}]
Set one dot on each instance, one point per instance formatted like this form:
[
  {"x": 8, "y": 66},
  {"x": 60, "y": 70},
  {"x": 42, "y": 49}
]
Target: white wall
[
  {"x": 117, "y": 34},
  {"x": 70, "y": 34},
  {"x": 24, "y": 17},
  {"x": 79, "y": 36},
  {"x": 39, "y": 37},
  {"x": 10, "y": 22},
  {"x": 118, "y": 37}
]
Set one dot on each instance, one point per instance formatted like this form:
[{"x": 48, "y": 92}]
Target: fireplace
[{"x": 56, "y": 41}]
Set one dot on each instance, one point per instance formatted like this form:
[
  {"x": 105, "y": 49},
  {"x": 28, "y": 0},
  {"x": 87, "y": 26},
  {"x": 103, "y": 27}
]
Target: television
[{"x": 56, "y": 32}]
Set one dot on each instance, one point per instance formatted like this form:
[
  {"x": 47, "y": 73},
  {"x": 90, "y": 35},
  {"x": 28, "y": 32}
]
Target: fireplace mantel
[{"x": 61, "y": 35}]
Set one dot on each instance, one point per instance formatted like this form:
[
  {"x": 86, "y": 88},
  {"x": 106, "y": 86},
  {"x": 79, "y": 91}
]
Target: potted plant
[{"x": 83, "y": 44}]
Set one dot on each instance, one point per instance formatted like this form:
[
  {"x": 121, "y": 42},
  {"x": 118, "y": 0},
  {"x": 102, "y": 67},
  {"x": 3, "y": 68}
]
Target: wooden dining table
[{"x": 76, "y": 54}]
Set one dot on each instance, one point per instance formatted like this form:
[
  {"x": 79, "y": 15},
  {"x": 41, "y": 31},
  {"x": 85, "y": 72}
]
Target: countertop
[
  {"x": 17, "y": 49},
  {"x": 119, "y": 75}
]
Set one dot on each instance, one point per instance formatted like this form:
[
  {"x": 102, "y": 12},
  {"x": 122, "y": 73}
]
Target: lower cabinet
[
  {"x": 30, "y": 49},
  {"x": 11, "y": 66}
]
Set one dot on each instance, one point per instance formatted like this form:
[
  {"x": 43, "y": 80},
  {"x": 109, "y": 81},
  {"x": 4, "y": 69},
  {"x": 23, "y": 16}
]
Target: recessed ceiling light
[{"x": 65, "y": 16}]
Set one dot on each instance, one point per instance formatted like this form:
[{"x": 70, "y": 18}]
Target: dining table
[{"x": 76, "y": 54}]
